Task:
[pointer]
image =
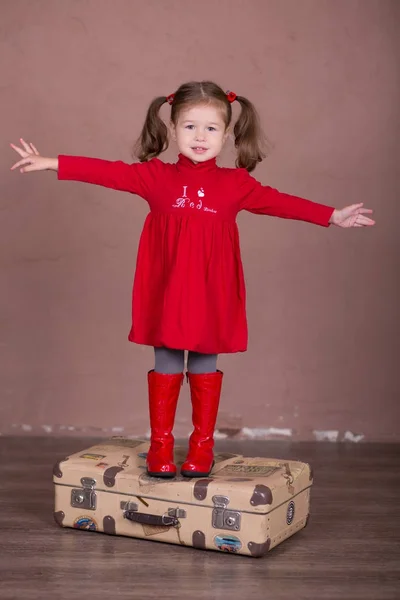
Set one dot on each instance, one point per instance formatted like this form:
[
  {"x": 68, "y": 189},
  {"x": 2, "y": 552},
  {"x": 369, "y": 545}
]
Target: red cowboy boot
[
  {"x": 163, "y": 398},
  {"x": 205, "y": 392}
]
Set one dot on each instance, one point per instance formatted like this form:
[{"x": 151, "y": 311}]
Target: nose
[{"x": 200, "y": 135}]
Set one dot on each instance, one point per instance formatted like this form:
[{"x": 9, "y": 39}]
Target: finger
[
  {"x": 365, "y": 220},
  {"x": 35, "y": 150},
  {"x": 25, "y": 145},
  {"x": 353, "y": 209},
  {"x": 19, "y": 150},
  {"x": 365, "y": 210},
  {"x": 20, "y": 163},
  {"x": 30, "y": 167},
  {"x": 368, "y": 223}
]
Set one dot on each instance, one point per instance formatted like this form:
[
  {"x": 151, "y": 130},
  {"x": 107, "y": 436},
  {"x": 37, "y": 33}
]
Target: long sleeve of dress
[
  {"x": 265, "y": 200},
  {"x": 136, "y": 178}
]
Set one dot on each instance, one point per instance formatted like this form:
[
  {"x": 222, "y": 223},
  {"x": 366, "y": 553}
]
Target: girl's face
[{"x": 200, "y": 132}]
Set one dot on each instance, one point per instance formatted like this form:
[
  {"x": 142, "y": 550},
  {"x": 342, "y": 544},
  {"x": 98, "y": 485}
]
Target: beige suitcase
[{"x": 246, "y": 505}]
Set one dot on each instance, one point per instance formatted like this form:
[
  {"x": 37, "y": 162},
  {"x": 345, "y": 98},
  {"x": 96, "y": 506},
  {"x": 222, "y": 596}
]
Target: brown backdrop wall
[{"x": 77, "y": 77}]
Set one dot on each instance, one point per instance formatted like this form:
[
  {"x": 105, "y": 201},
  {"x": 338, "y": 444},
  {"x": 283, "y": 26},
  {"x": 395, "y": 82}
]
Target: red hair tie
[
  {"x": 170, "y": 98},
  {"x": 231, "y": 96}
]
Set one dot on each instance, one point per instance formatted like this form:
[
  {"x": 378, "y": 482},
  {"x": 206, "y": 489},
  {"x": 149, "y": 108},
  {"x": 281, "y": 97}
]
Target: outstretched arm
[
  {"x": 136, "y": 178},
  {"x": 265, "y": 200}
]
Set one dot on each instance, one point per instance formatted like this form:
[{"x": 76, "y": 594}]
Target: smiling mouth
[{"x": 199, "y": 149}]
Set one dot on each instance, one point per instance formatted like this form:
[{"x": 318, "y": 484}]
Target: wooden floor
[{"x": 350, "y": 549}]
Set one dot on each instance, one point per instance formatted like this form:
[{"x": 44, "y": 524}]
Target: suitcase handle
[{"x": 146, "y": 519}]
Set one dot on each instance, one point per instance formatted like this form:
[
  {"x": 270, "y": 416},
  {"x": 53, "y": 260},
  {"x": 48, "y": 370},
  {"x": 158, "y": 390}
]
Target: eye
[
  {"x": 189, "y": 126},
  {"x": 211, "y": 129}
]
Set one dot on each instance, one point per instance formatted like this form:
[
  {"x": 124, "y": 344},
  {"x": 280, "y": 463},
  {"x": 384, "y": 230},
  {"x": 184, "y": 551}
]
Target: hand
[
  {"x": 352, "y": 216},
  {"x": 31, "y": 159}
]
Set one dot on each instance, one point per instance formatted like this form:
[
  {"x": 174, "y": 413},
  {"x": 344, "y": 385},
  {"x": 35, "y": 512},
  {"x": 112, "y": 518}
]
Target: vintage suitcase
[{"x": 246, "y": 505}]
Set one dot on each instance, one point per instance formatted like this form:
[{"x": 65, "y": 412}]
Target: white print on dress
[{"x": 184, "y": 201}]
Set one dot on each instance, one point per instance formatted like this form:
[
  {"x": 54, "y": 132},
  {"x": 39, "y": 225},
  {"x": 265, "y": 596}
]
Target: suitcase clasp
[
  {"x": 178, "y": 513},
  {"x": 222, "y": 518},
  {"x": 85, "y": 497}
]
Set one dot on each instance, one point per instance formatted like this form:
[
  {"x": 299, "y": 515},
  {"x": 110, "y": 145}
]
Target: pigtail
[
  {"x": 249, "y": 138},
  {"x": 154, "y": 136}
]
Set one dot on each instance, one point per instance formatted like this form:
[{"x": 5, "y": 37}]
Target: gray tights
[{"x": 173, "y": 361}]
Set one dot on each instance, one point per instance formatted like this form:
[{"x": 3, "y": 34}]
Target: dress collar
[{"x": 186, "y": 165}]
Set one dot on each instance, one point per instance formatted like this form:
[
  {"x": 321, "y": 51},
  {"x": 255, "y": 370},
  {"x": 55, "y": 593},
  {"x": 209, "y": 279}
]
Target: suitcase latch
[
  {"x": 179, "y": 513},
  {"x": 85, "y": 497},
  {"x": 129, "y": 505},
  {"x": 222, "y": 518}
]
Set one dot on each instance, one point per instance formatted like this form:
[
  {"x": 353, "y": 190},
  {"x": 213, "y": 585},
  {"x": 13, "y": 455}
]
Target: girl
[{"x": 189, "y": 291}]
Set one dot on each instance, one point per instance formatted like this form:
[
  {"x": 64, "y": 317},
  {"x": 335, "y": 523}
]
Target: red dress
[{"x": 189, "y": 291}]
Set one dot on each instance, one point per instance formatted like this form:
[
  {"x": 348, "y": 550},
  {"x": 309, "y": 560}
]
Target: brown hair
[{"x": 247, "y": 131}]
